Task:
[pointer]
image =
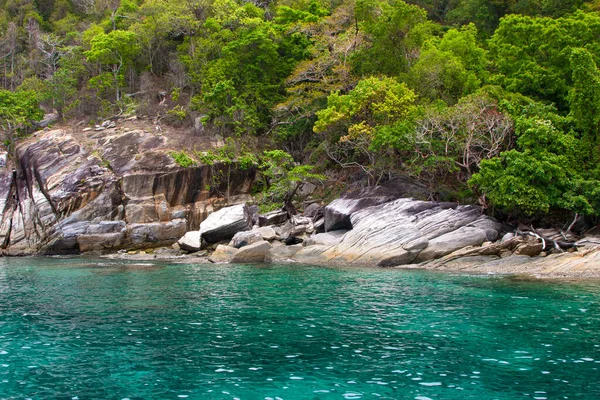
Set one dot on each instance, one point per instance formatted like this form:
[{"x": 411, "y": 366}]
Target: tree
[
  {"x": 448, "y": 144},
  {"x": 544, "y": 173},
  {"x": 283, "y": 178},
  {"x": 394, "y": 33},
  {"x": 532, "y": 55},
  {"x": 18, "y": 110},
  {"x": 114, "y": 51},
  {"x": 353, "y": 121},
  {"x": 584, "y": 95}
]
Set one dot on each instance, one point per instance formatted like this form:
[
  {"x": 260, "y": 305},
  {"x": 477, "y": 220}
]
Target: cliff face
[{"x": 106, "y": 190}]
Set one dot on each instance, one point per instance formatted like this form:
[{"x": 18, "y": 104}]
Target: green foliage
[
  {"x": 282, "y": 177},
  {"x": 18, "y": 110},
  {"x": 532, "y": 55},
  {"x": 394, "y": 30},
  {"x": 370, "y": 85},
  {"x": 546, "y": 172},
  {"x": 183, "y": 159},
  {"x": 114, "y": 51},
  {"x": 584, "y": 95},
  {"x": 372, "y": 102},
  {"x": 355, "y": 121}
]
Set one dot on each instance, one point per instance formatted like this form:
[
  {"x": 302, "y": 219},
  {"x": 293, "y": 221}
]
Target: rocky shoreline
[
  {"x": 402, "y": 233},
  {"x": 118, "y": 193}
]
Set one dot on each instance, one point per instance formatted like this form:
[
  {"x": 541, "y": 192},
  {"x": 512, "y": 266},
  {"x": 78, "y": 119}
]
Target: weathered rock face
[
  {"x": 405, "y": 231},
  {"x": 338, "y": 212},
  {"x": 69, "y": 187}
]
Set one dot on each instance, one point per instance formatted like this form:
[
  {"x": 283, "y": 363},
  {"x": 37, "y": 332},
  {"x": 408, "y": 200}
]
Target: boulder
[
  {"x": 267, "y": 233},
  {"x": 312, "y": 210},
  {"x": 319, "y": 225},
  {"x": 297, "y": 226},
  {"x": 245, "y": 238},
  {"x": 225, "y": 223},
  {"x": 253, "y": 253},
  {"x": 222, "y": 254},
  {"x": 272, "y": 218},
  {"x": 328, "y": 239},
  {"x": 191, "y": 241},
  {"x": 529, "y": 248},
  {"x": 156, "y": 234}
]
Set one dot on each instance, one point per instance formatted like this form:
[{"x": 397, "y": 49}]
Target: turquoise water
[{"x": 97, "y": 329}]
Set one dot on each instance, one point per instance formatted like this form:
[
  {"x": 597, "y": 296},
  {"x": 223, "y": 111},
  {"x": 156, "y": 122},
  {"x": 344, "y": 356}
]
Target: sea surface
[{"x": 77, "y": 328}]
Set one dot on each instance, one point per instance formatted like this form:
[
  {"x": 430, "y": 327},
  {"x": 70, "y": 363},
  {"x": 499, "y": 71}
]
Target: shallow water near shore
[{"x": 78, "y": 328}]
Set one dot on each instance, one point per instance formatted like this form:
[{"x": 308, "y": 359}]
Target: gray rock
[
  {"x": 272, "y": 218},
  {"x": 452, "y": 241},
  {"x": 253, "y": 253},
  {"x": 267, "y": 233},
  {"x": 94, "y": 183},
  {"x": 225, "y": 223},
  {"x": 106, "y": 227},
  {"x": 223, "y": 254},
  {"x": 48, "y": 120},
  {"x": 297, "y": 226},
  {"x": 156, "y": 234},
  {"x": 490, "y": 226},
  {"x": 508, "y": 236},
  {"x": 394, "y": 233},
  {"x": 328, "y": 239},
  {"x": 529, "y": 248},
  {"x": 191, "y": 241},
  {"x": 242, "y": 239},
  {"x": 338, "y": 212},
  {"x": 312, "y": 210},
  {"x": 100, "y": 241},
  {"x": 306, "y": 190},
  {"x": 319, "y": 225}
]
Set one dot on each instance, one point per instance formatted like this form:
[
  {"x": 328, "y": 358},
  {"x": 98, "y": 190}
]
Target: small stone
[{"x": 530, "y": 249}]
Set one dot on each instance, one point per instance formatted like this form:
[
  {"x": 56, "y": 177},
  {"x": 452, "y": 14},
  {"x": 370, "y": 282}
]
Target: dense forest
[{"x": 496, "y": 101}]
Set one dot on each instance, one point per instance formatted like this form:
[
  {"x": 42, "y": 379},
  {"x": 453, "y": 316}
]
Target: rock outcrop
[
  {"x": 337, "y": 213},
  {"x": 69, "y": 187},
  {"x": 405, "y": 231}
]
